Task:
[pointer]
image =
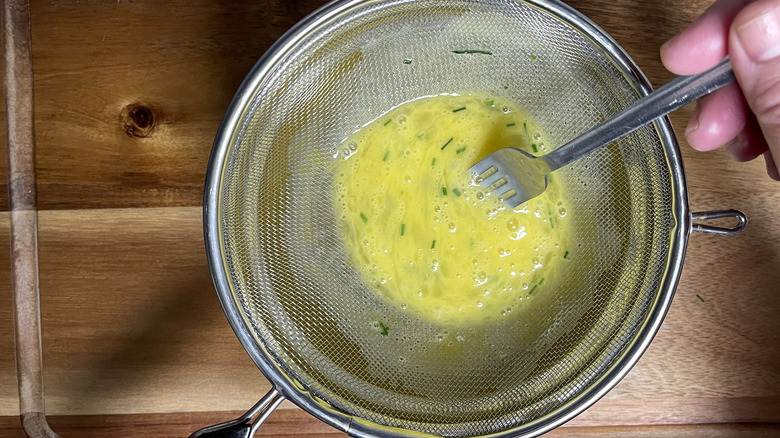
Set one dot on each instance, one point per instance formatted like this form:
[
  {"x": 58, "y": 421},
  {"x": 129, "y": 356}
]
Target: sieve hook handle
[
  {"x": 720, "y": 214},
  {"x": 246, "y": 425}
]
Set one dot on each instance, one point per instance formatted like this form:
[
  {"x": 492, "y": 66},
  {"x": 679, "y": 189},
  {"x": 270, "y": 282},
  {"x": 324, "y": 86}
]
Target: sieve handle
[
  {"x": 720, "y": 214},
  {"x": 674, "y": 95},
  {"x": 246, "y": 425}
]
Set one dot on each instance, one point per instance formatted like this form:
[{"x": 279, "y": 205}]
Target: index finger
[{"x": 705, "y": 42}]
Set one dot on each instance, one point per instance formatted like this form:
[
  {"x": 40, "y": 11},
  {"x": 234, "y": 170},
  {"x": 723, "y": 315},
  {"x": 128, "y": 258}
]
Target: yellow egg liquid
[{"x": 423, "y": 235}]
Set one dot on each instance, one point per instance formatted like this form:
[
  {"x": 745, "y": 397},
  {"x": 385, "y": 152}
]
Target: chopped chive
[
  {"x": 407, "y": 61},
  {"x": 459, "y": 109},
  {"x": 481, "y": 52},
  {"x": 533, "y": 146},
  {"x": 541, "y": 282},
  {"x": 383, "y": 329},
  {"x": 549, "y": 213},
  {"x": 456, "y": 191},
  {"x": 566, "y": 255},
  {"x": 532, "y": 289},
  {"x": 363, "y": 218},
  {"x": 403, "y": 229},
  {"x": 388, "y": 121},
  {"x": 489, "y": 102},
  {"x": 387, "y": 154},
  {"x": 445, "y": 144},
  {"x": 700, "y": 298},
  {"x": 509, "y": 125},
  {"x": 444, "y": 191},
  {"x": 525, "y": 129},
  {"x": 460, "y": 150},
  {"x": 433, "y": 244},
  {"x": 533, "y": 57},
  {"x": 506, "y": 87},
  {"x": 433, "y": 162}
]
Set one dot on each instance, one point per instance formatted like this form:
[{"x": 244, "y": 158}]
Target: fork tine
[
  {"x": 495, "y": 178},
  {"x": 512, "y": 201},
  {"x": 480, "y": 177},
  {"x": 513, "y": 175},
  {"x": 482, "y": 166},
  {"x": 505, "y": 194},
  {"x": 485, "y": 164}
]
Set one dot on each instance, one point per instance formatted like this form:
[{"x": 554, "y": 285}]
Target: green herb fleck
[
  {"x": 549, "y": 213},
  {"x": 387, "y": 154},
  {"x": 509, "y": 125},
  {"x": 489, "y": 103},
  {"x": 460, "y": 150},
  {"x": 363, "y": 218},
  {"x": 459, "y": 109},
  {"x": 388, "y": 121},
  {"x": 444, "y": 191},
  {"x": 383, "y": 329},
  {"x": 407, "y": 61},
  {"x": 433, "y": 244},
  {"x": 541, "y": 282},
  {"x": 525, "y": 129},
  {"x": 433, "y": 163},
  {"x": 533, "y": 57},
  {"x": 445, "y": 144},
  {"x": 456, "y": 191},
  {"x": 532, "y": 289},
  {"x": 566, "y": 255},
  {"x": 506, "y": 87},
  {"x": 463, "y": 52},
  {"x": 533, "y": 146},
  {"x": 403, "y": 229},
  {"x": 700, "y": 298}
]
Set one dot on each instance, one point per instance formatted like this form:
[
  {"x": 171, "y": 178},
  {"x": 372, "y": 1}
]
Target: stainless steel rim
[{"x": 363, "y": 428}]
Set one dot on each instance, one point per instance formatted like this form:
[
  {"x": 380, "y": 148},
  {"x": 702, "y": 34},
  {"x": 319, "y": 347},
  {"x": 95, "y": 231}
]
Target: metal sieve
[{"x": 307, "y": 318}]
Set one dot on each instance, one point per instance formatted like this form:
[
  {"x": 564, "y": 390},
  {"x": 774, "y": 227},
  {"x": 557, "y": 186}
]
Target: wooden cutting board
[{"x": 128, "y": 97}]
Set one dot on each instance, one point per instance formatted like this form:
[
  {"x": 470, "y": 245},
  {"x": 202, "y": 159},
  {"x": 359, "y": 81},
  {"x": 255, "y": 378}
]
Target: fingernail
[
  {"x": 668, "y": 43},
  {"x": 771, "y": 167},
  {"x": 759, "y": 36},
  {"x": 693, "y": 124},
  {"x": 731, "y": 149}
]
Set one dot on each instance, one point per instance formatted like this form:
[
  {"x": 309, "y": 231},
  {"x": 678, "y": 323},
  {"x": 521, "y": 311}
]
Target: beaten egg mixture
[{"x": 423, "y": 235}]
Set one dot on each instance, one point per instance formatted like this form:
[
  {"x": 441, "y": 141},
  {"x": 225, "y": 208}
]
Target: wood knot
[{"x": 138, "y": 120}]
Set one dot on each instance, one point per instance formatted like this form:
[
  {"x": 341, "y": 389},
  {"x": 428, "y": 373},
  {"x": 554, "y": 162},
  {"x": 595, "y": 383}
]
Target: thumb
[{"x": 754, "y": 48}]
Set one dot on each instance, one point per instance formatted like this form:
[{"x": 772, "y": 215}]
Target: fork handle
[{"x": 675, "y": 94}]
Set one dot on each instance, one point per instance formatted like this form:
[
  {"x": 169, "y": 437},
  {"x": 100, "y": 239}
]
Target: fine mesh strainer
[{"x": 305, "y": 315}]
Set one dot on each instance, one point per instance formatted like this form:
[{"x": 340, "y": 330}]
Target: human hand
[{"x": 745, "y": 116}]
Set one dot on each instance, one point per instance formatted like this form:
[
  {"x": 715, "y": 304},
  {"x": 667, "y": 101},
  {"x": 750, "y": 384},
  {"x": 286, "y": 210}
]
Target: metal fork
[{"x": 517, "y": 176}]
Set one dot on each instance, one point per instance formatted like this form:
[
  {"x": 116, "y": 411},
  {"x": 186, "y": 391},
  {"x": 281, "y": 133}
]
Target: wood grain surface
[
  {"x": 296, "y": 423},
  {"x": 129, "y": 95}
]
